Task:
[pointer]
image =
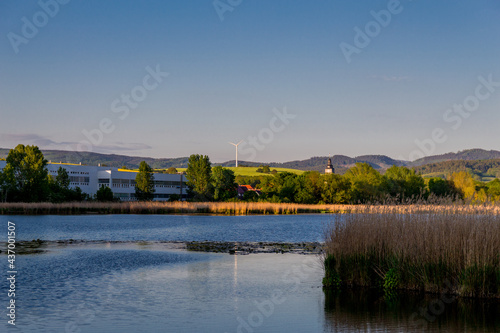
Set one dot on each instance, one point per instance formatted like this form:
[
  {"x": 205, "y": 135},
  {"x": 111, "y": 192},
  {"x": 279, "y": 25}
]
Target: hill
[
  {"x": 112, "y": 160},
  {"x": 340, "y": 162},
  {"x": 484, "y": 170},
  {"x": 483, "y": 163},
  {"x": 468, "y": 155}
]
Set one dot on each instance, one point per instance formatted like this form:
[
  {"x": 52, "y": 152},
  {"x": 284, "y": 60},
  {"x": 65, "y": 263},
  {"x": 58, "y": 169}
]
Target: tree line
[
  {"x": 25, "y": 179},
  {"x": 360, "y": 184}
]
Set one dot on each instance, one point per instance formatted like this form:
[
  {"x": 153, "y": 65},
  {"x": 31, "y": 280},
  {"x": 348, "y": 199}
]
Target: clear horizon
[{"x": 292, "y": 79}]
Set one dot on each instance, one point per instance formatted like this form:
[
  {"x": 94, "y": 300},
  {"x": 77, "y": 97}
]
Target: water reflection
[{"x": 371, "y": 311}]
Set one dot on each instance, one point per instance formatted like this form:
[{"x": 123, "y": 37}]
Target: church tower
[{"x": 329, "y": 167}]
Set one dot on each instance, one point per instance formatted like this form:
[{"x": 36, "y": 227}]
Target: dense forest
[
  {"x": 469, "y": 154},
  {"x": 478, "y": 169}
]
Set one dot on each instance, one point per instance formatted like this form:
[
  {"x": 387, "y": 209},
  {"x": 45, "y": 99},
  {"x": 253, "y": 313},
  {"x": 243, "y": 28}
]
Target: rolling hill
[
  {"x": 484, "y": 170},
  {"x": 432, "y": 165},
  {"x": 112, "y": 160},
  {"x": 468, "y": 155},
  {"x": 340, "y": 162}
]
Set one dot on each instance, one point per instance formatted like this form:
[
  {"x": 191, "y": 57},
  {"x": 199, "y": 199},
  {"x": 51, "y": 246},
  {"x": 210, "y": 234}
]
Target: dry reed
[
  {"x": 233, "y": 208},
  {"x": 222, "y": 208},
  {"x": 417, "y": 248}
]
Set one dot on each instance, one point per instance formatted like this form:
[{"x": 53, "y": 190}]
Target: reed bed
[
  {"x": 455, "y": 249},
  {"x": 234, "y": 208},
  {"x": 220, "y": 208}
]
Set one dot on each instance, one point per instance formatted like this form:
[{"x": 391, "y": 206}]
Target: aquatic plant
[
  {"x": 236, "y": 208},
  {"x": 456, "y": 248}
]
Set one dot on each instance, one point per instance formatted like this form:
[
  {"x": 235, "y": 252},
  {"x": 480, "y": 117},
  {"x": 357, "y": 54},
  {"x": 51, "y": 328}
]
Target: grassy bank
[{"x": 454, "y": 250}]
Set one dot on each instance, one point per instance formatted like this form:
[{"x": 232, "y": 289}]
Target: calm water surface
[
  {"x": 148, "y": 287},
  {"x": 270, "y": 228}
]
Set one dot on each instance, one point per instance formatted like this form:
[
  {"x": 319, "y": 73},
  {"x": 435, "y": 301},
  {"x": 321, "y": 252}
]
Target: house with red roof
[{"x": 242, "y": 189}]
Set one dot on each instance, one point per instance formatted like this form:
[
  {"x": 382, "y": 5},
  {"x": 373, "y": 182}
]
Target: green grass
[
  {"x": 252, "y": 171},
  {"x": 488, "y": 178},
  {"x": 435, "y": 174},
  {"x": 484, "y": 177}
]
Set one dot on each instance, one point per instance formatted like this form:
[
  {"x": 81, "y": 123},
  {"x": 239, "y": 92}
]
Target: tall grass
[
  {"x": 223, "y": 208},
  {"x": 456, "y": 248},
  {"x": 233, "y": 208}
]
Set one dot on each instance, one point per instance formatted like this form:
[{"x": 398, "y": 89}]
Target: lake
[
  {"x": 252, "y": 228},
  {"x": 133, "y": 282}
]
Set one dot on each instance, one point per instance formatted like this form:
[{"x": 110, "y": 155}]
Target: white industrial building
[{"x": 121, "y": 182}]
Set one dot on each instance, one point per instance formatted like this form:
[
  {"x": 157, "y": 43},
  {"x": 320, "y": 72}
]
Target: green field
[
  {"x": 444, "y": 175},
  {"x": 252, "y": 171},
  {"x": 435, "y": 174}
]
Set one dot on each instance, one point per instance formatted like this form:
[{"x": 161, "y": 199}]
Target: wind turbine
[{"x": 236, "y": 145}]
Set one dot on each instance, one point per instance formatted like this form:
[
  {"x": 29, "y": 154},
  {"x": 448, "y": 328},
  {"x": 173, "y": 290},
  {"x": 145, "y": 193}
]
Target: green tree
[
  {"x": 254, "y": 181},
  {"x": 284, "y": 186},
  {"x": 172, "y": 170},
  {"x": 223, "y": 183},
  {"x": 336, "y": 189},
  {"x": 62, "y": 178},
  {"x": 493, "y": 189},
  {"x": 250, "y": 196},
  {"x": 199, "y": 174},
  {"x": 60, "y": 190},
  {"x": 403, "y": 183},
  {"x": 366, "y": 183},
  {"x": 104, "y": 194},
  {"x": 144, "y": 183},
  {"x": 266, "y": 169},
  {"x": 25, "y": 174},
  {"x": 310, "y": 187},
  {"x": 441, "y": 187}
]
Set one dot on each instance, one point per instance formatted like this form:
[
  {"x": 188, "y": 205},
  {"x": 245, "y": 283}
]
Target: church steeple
[{"x": 329, "y": 167}]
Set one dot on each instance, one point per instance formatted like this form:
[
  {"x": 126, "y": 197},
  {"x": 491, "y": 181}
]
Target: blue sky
[{"x": 233, "y": 78}]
